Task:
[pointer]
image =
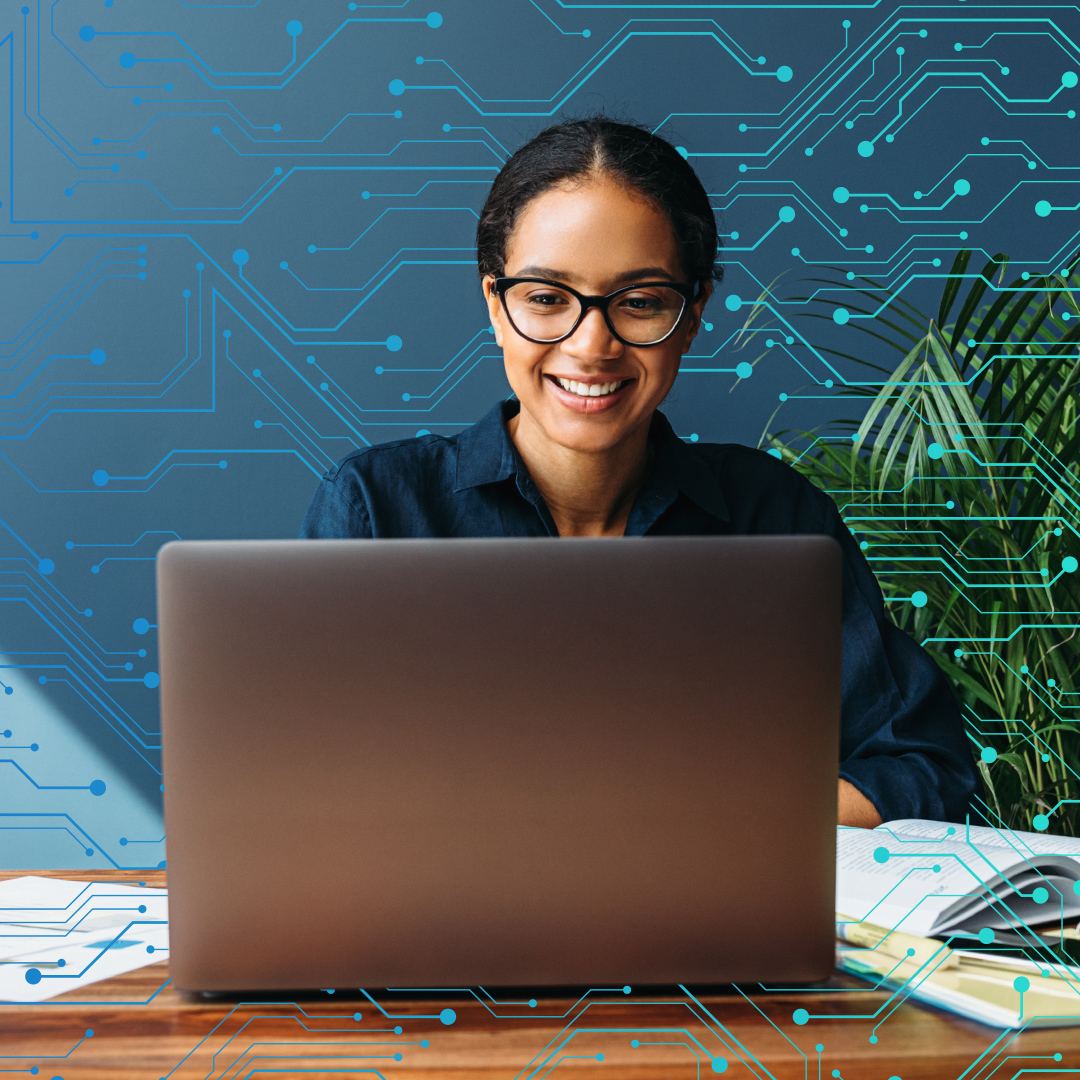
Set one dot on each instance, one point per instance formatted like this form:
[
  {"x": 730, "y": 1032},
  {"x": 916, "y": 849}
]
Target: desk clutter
[{"x": 977, "y": 921}]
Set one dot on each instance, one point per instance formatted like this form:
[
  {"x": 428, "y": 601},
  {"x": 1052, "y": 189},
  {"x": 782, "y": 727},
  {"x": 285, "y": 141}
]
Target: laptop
[{"x": 491, "y": 762}]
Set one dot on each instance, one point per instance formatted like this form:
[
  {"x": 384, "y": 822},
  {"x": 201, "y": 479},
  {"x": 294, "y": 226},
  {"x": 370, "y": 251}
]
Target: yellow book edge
[{"x": 999, "y": 991}]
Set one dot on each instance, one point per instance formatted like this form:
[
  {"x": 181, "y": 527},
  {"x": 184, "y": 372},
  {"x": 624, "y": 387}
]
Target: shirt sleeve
[
  {"x": 902, "y": 741},
  {"x": 338, "y": 511}
]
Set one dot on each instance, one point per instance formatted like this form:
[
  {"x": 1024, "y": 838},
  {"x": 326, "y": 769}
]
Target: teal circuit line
[
  {"x": 87, "y": 676},
  {"x": 362, "y": 288},
  {"x": 77, "y": 832},
  {"x": 169, "y": 380},
  {"x": 311, "y": 438},
  {"x": 64, "y": 296},
  {"x": 569, "y": 33},
  {"x": 398, "y": 87},
  {"x": 199, "y": 67},
  {"x": 96, "y": 787},
  {"x": 119, "y": 936},
  {"x": 402, "y": 209},
  {"x": 49, "y": 1057}
]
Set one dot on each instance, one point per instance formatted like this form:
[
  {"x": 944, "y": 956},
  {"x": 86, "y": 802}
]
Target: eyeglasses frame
[{"x": 690, "y": 292}]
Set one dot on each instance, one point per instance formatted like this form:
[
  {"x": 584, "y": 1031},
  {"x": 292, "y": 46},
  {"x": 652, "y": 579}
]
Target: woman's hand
[{"x": 855, "y": 808}]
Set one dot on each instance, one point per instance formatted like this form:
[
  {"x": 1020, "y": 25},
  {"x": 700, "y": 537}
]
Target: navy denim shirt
[{"x": 902, "y": 738}]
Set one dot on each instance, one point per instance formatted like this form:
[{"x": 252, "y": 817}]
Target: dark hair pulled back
[{"x": 631, "y": 155}]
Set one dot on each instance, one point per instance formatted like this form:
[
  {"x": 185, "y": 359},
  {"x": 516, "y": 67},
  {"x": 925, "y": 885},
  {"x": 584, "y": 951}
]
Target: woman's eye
[
  {"x": 641, "y": 304},
  {"x": 547, "y": 300}
]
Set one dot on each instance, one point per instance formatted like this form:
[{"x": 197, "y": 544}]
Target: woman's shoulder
[
  {"x": 397, "y": 460},
  {"x": 762, "y": 489}
]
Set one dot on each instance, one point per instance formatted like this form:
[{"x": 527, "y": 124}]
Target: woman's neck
[{"x": 588, "y": 493}]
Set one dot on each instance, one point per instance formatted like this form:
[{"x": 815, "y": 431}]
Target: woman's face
[{"x": 595, "y": 237}]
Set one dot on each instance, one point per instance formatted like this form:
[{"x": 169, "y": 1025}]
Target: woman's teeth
[{"x": 589, "y": 389}]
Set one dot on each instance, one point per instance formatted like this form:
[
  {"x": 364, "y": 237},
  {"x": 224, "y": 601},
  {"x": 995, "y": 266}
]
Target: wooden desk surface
[{"x": 143, "y": 1028}]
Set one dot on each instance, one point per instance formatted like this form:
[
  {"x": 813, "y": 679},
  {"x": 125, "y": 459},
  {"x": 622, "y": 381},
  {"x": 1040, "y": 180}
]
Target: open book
[{"x": 930, "y": 878}]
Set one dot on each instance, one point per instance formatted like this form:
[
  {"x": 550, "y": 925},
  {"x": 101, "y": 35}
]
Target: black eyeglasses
[{"x": 546, "y": 312}]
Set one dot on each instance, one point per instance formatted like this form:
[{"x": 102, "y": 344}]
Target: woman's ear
[
  {"x": 494, "y": 306},
  {"x": 696, "y": 311}
]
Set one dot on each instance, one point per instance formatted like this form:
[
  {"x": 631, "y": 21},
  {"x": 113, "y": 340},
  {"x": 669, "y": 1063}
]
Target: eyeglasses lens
[{"x": 547, "y": 313}]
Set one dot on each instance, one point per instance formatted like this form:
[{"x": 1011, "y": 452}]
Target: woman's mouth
[
  {"x": 590, "y": 389},
  {"x": 589, "y": 397}
]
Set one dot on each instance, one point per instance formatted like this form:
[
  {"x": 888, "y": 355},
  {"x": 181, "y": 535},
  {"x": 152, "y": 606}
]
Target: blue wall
[{"x": 235, "y": 247}]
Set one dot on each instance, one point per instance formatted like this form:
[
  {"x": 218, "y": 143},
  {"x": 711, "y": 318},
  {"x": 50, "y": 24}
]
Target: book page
[
  {"x": 1025, "y": 843},
  {"x": 908, "y": 893}
]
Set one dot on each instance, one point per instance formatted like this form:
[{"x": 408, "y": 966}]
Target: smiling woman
[{"x": 597, "y": 250}]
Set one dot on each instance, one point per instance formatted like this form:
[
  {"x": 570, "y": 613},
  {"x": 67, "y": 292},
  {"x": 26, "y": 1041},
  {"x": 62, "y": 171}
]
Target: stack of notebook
[{"x": 975, "y": 920}]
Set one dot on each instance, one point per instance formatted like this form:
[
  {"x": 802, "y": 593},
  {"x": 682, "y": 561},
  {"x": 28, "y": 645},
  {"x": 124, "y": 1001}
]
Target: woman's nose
[{"x": 593, "y": 340}]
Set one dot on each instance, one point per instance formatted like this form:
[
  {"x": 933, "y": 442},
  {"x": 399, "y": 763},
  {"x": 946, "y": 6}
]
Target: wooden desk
[{"x": 145, "y": 1029}]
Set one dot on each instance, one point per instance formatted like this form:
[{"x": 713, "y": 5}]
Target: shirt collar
[{"x": 486, "y": 455}]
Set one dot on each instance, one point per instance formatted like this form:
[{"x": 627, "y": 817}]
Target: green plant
[{"x": 962, "y": 483}]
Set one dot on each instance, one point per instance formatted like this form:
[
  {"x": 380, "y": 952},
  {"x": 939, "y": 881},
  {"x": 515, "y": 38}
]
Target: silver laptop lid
[{"x": 437, "y": 763}]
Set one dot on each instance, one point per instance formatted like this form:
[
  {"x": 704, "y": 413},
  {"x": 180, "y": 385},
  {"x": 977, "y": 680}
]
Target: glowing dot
[
  {"x": 393, "y": 343},
  {"x": 744, "y": 370},
  {"x": 881, "y": 855},
  {"x": 682, "y": 152},
  {"x": 787, "y": 213},
  {"x": 101, "y": 477},
  {"x": 396, "y": 87},
  {"x": 783, "y": 397},
  {"x": 46, "y": 566},
  {"x": 950, "y": 505},
  {"x": 1040, "y": 895},
  {"x": 447, "y": 1017},
  {"x": 733, "y": 302},
  {"x": 283, "y": 265},
  {"x": 719, "y": 1064},
  {"x": 961, "y": 187},
  {"x": 532, "y": 1003},
  {"x": 989, "y": 755},
  {"x": 784, "y": 73},
  {"x": 1040, "y": 822},
  {"x": 1043, "y": 208},
  {"x": 800, "y": 1016},
  {"x": 828, "y": 383},
  {"x": 986, "y": 935},
  {"x": 918, "y": 599},
  {"x": 841, "y": 316},
  {"x": 127, "y": 60},
  {"x": 809, "y": 151},
  {"x": 1068, "y": 564},
  {"x": 240, "y": 256},
  {"x": 97, "y": 787},
  {"x": 1069, "y": 79},
  {"x": 151, "y": 680},
  {"x": 311, "y": 249},
  {"x": 1021, "y": 984},
  {"x": 866, "y": 148},
  {"x": 294, "y": 28},
  {"x": 795, "y": 251},
  {"x": 434, "y": 20},
  {"x": 419, "y": 60},
  {"x": 87, "y": 34},
  {"x": 33, "y": 976},
  {"x": 357, "y": 1016},
  {"x": 841, "y": 194},
  {"x": 406, "y": 397}
]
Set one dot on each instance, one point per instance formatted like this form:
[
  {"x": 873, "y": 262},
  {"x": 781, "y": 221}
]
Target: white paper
[{"x": 97, "y": 929}]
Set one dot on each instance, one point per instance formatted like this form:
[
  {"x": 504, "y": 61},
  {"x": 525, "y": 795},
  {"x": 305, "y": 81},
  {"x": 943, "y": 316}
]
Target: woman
[{"x": 597, "y": 249}]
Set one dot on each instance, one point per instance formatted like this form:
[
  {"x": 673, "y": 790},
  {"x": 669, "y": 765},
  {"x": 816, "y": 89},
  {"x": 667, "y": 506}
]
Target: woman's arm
[
  {"x": 903, "y": 749},
  {"x": 855, "y": 808}
]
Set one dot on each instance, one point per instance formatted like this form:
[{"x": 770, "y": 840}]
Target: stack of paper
[{"x": 56, "y": 936}]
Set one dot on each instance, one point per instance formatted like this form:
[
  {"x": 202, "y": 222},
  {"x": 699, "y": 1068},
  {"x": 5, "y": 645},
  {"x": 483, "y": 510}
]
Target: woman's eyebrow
[{"x": 646, "y": 272}]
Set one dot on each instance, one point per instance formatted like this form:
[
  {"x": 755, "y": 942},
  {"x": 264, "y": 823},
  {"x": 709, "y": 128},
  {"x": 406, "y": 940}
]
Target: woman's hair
[{"x": 598, "y": 146}]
